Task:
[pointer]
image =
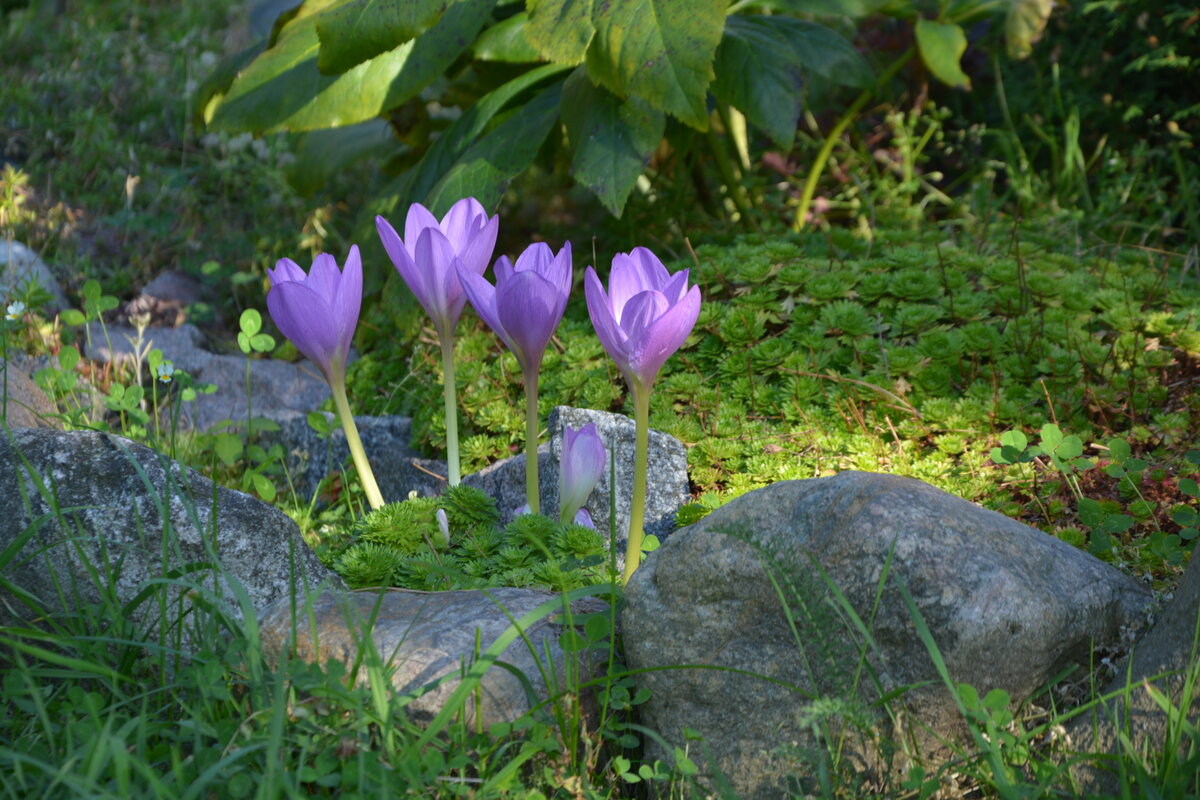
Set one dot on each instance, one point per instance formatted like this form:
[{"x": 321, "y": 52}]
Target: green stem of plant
[
  {"x": 725, "y": 166},
  {"x": 637, "y": 506},
  {"x": 452, "y": 463},
  {"x": 532, "y": 495},
  {"x": 365, "y": 474},
  {"x": 818, "y": 165}
]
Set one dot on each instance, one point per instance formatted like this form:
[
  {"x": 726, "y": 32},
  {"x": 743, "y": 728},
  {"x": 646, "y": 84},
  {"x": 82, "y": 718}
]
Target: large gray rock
[
  {"x": 1162, "y": 658},
  {"x": 667, "y": 479},
  {"x": 425, "y": 636},
  {"x": 274, "y": 385},
  {"x": 134, "y": 518},
  {"x": 398, "y": 468},
  {"x": 23, "y": 402},
  {"x": 1008, "y": 606},
  {"x": 21, "y": 267}
]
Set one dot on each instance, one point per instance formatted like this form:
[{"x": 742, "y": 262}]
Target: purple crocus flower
[
  {"x": 429, "y": 259},
  {"x": 527, "y": 303},
  {"x": 318, "y": 311},
  {"x": 644, "y": 317},
  {"x": 579, "y": 469},
  {"x": 524, "y": 308},
  {"x": 427, "y": 256}
]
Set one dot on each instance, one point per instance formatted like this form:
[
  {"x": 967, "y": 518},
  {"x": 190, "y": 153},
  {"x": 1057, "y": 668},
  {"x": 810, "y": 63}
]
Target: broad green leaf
[
  {"x": 250, "y": 322},
  {"x": 359, "y": 30},
  {"x": 485, "y": 169},
  {"x": 761, "y": 64},
  {"x": 560, "y": 30},
  {"x": 942, "y": 45},
  {"x": 1024, "y": 25},
  {"x": 659, "y": 50},
  {"x": 505, "y": 41},
  {"x": 228, "y": 448},
  {"x": 1051, "y": 437},
  {"x": 283, "y": 90},
  {"x": 612, "y": 139},
  {"x": 415, "y": 185},
  {"x": 68, "y": 357},
  {"x": 209, "y": 93},
  {"x": 1015, "y": 439},
  {"x": 1119, "y": 450},
  {"x": 1091, "y": 513},
  {"x": 321, "y": 154},
  {"x": 1070, "y": 447},
  {"x": 72, "y": 316}
]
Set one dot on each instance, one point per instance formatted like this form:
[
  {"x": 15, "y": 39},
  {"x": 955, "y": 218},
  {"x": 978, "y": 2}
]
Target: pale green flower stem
[
  {"x": 532, "y": 495},
  {"x": 452, "y": 463},
  {"x": 641, "y": 457},
  {"x": 365, "y": 474}
]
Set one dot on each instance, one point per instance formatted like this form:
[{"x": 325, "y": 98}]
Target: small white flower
[
  {"x": 15, "y": 309},
  {"x": 165, "y": 371}
]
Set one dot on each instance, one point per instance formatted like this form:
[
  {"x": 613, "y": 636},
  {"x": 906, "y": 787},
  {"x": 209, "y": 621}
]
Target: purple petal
[
  {"x": 650, "y": 266},
  {"x": 418, "y": 219},
  {"x": 442, "y": 296},
  {"x": 640, "y": 312},
  {"x": 324, "y": 276},
  {"x": 348, "y": 300},
  {"x": 663, "y": 337},
  {"x": 526, "y": 303},
  {"x": 581, "y": 466},
  {"x": 676, "y": 287},
  {"x": 286, "y": 270},
  {"x": 477, "y": 251},
  {"x": 462, "y": 222},
  {"x": 503, "y": 269},
  {"x": 603, "y": 320},
  {"x": 483, "y": 299},
  {"x": 582, "y": 517},
  {"x": 535, "y": 258},
  {"x": 628, "y": 278},
  {"x": 304, "y": 317}
]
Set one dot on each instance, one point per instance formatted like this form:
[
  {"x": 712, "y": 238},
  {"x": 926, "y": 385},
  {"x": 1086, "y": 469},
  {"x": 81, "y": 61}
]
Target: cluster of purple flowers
[{"x": 645, "y": 315}]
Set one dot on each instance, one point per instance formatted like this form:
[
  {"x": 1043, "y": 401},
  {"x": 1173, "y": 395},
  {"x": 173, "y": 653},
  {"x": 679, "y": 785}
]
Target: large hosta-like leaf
[
  {"x": 560, "y": 30},
  {"x": 658, "y": 50},
  {"x": 283, "y": 89},
  {"x": 359, "y": 30},
  {"x": 762, "y": 62},
  {"x": 613, "y": 139},
  {"x": 484, "y": 170},
  {"x": 415, "y": 184}
]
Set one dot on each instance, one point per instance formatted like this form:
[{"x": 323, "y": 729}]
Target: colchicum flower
[
  {"x": 645, "y": 316},
  {"x": 524, "y": 308},
  {"x": 428, "y": 259},
  {"x": 579, "y": 469},
  {"x": 318, "y": 312}
]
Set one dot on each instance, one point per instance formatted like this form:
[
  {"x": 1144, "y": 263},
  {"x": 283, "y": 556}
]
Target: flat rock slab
[
  {"x": 425, "y": 636},
  {"x": 136, "y": 518},
  {"x": 1008, "y": 606},
  {"x": 274, "y": 385}
]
